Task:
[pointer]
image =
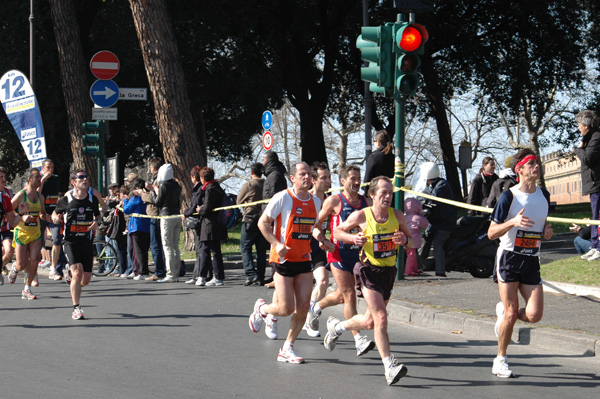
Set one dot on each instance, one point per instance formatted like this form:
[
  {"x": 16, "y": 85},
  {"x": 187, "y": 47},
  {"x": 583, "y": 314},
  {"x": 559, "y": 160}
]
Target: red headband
[{"x": 524, "y": 161}]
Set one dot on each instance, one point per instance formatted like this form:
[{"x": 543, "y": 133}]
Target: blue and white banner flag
[{"x": 21, "y": 107}]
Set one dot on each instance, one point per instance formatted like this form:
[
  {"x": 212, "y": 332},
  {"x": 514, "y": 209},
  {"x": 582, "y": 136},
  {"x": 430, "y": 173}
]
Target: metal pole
[
  {"x": 399, "y": 105},
  {"x": 31, "y": 47},
  {"x": 367, "y": 98}
]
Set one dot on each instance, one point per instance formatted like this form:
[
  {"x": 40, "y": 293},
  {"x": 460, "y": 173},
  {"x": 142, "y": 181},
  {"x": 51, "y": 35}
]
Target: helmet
[{"x": 429, "y": 170}]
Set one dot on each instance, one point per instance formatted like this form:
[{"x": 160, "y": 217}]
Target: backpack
[{"x": 229, "y": 218}]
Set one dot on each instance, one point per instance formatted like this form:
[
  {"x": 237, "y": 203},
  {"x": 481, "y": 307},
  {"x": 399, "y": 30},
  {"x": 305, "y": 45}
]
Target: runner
[
  {"x": 6, "y": 236},
  {"x": 27, "y": 235},
  {"x": 49, "y": 188},
  {"x": 345, "y": 256},
  {"x": 382, "y": 229},
  {"x": 321, "y": 182},
  {"x": 293, "y": 213},
  {"x": 80, "y": 211},
  {"x": 519, "y": 220}
]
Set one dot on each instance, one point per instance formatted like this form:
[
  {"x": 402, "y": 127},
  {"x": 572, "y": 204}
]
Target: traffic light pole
[{"x": 399, "y": 105}]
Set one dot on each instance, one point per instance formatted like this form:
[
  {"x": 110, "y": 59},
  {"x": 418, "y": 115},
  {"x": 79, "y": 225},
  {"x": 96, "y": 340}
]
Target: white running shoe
[
  {"x": 589, "y": 253},
  {"x": 364, "y": 345},
  {"x": 310, "y": 331},
  {"x": 289, "y": 356},
  {"x": 256, "y": 319},
  {"x": 594, "y": 256},
  {"x": 500, "y": 315},
  {"x": 214, "y": 283},
  {"x": 332, "y": 336},
  {"x": 77, "y": 314},
  {"x": 271, "y": 327},
  {"x": 201, "y": 281},
  {"x": 501, "y": 369},
  {"x": 395, "y": 371},
  {"x": 313, "y": 317}
]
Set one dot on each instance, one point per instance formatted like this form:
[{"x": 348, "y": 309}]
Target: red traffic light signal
[{"x": 411, "y": 38}]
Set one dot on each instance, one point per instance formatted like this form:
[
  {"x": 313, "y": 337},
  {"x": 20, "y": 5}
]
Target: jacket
[
  {"x": 379, "y": 164},
  {"x": 415, "y": 220},
  {"x": 506, "y": 179},
  {"x": 197, "y": 195},
  {"x": 151, "y": 209},
  {"x": 210, "y": 229},
  {"x": 480, "y": 190},
  {"x": 589, "y": 156},
  {"x": 251, "y": 191},
  {"x": 168, "y": 199},
  {"x": 441, "y": 216},
  {"x": 274, "y": 178},
  {"x": 136, "y": 205}
]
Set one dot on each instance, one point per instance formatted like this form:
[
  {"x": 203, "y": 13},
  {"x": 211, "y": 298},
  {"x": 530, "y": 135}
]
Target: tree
[{"x": 167, "y": 83}]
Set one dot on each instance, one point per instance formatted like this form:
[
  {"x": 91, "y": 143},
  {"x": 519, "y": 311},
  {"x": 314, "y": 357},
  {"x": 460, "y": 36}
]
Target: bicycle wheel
[{"x": 105, "y": 258}]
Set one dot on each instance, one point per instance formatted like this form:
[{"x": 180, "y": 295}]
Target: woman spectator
[
  {"x": 588, "y": 152},
  {"x": 482, "y": 185},
  {"x": 191, "y": 215},
  {"x": 381, "y": 161},
  {"x": 211, "y": 233},
  {"x": 139, "y": 227}
]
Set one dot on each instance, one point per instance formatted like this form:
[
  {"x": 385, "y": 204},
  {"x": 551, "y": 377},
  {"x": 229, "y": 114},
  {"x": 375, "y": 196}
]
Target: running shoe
[
  {"x": 77, "y": 314},
  {"x": 310, "y": 331},
  {"x": 364, "y": 345},
  {"x": 500, "y": 315},
  {"x": 594, "y": 256},
  {"x": 501, "y": 369},
  {"x": 27, "y": 294},
  {"x": 589, "y": 253},
  {"x": 68, "y": 277},
  {"x": 395, "y": 371},
  {"x": 289, "y": 356},
  {"x": 271, "y": 327},
  {"x": 1, "y": 279},
  {"x": 12, "y": 275},
  {"x": 35, "y": 282},
  {"x": 332, "y": 336},
  {"x": 313, "y": 317},
  {"x": 256, "y": 319}
]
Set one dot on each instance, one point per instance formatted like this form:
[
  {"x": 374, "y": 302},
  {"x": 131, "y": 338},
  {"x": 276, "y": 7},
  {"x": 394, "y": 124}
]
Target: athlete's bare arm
[
  {"x": 264, "y": 224},
  {"x": 356, "y": 219}
]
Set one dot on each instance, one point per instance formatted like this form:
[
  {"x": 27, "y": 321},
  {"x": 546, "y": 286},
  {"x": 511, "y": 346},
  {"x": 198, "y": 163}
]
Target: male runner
[
  {"x": 27, "y": 234},
  {"x": 293, "y": 213},
  {"x": 321, "y": 182},
  {"x": 342, "y": 260},
  {"x": 49, "y": 188},
  {"x": 80, "y": 211},
  {"x": 382, "y": 229},
  {"x": 6, "y": 236},
  {"x": 519, "y": 220}
]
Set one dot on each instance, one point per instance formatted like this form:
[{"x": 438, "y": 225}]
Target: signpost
[
  {"x": 104, "y": 93},
  {"x": 104, "y": 114},
  {"x": 267, "y": 120},
  {"x": 104, "y": 65},
  {"x": 267, "y": 140}
]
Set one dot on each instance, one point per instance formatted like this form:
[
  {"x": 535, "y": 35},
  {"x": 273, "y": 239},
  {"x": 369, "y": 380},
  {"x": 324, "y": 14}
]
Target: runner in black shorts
[
  {"x": 80, "y": 211},
  {"x": 519, "y": 219}
]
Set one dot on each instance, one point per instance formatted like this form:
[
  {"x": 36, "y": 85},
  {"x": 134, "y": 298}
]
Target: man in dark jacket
[
  {"x": 588, "y": 152},
  {"x": 167, "y": 198},
  {"x": 274, "y": 175},
  {"x": 441, "y": 216},
  {"x": 211, "y": 232},
  {"x": 156, "y": 247},
  {"x": 251, "y": 191}
]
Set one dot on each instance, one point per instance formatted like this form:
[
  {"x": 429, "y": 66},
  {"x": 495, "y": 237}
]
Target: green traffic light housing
[
  {"x": 93, "y": 141},
  {"x": 409, "y": 43},
  {"x": 375, "y": 44}
]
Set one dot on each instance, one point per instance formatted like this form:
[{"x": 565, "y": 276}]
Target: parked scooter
[{"x": 469, "y": 249}]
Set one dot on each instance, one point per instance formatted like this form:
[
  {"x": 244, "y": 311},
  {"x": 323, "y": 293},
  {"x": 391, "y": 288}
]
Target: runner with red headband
[{"x": 519, "y": 219}]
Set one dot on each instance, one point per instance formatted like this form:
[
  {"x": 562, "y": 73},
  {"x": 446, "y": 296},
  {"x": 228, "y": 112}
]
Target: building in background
[{"x": 562, "y": 173}]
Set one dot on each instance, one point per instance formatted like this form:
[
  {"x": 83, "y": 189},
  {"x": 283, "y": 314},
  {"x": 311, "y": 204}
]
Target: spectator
[
  {"x": 415, "y": 221},
  {"x": 442, "y": 217},
  {"x": 252, "y": 191},
  {"x": 381, "y": 161},
  {"x": 139, "y": 228},
  {"x": 582, "y": 242},
  {"x": 191, "y": 214},
  {"x": 156, "y": 247},
  {"x": 588, "y": 152},
  {"x": 482, "y": 185},
  {"x": 506, "y": 179},
  {"x": 211, "y": 232},
  {"x": 167, "y": 198}
]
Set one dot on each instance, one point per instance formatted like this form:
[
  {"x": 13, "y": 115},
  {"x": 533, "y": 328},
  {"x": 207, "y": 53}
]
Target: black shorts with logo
[
  {"x": 292, "y": 269},
  {"x": 512, "y": 267},
  {"x": 80, "y": 252}
]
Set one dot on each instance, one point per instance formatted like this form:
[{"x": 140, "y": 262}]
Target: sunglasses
[{"x": 81, "y": 177}]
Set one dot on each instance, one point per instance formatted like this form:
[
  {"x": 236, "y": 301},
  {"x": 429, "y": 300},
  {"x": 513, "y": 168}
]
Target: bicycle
[{"x": 106, "y": 259}]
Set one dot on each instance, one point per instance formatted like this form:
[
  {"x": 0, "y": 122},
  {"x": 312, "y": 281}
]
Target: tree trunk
[
  {"x": 177, "y": 133},
  {"x": 72, "y": 72},
  {"x": 435, "y": 95}
]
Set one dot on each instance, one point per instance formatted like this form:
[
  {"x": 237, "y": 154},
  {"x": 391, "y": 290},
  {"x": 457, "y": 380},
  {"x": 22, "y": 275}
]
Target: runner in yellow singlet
[{"x": 27, "y": 237}]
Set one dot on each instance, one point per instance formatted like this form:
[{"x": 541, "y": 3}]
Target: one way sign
[{"x": 104, "y": 93}]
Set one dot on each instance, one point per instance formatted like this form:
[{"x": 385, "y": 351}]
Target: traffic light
[
  {"x": 409, "y": 43},
  {"x": 375, "y": 45},
  {"x": 93, "y": 139}
]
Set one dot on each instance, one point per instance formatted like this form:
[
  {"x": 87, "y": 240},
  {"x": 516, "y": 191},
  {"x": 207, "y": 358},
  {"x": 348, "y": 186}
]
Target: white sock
[
  {"x": 260, "y": 312},
  {"x": 27, "y": 288},
  {"x": 501, "y": 357},
  {"x": 387, "y": 362},
  {"x": 340, "y": 327},
  {"x": 317, "y": 308},
  {"x": 357, "y": 337},
  {"x": 287, "y": 345}
]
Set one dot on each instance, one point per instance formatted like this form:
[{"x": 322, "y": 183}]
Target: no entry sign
[{"x": 104, "y": 65}]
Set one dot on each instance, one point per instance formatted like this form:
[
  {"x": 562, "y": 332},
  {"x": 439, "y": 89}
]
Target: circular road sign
[
  {"x": 104, "y": 65},
  {"x": 267, "y": 140}
]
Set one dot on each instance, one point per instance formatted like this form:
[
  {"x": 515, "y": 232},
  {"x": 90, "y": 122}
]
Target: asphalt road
[{"x": 150, "y": 340}]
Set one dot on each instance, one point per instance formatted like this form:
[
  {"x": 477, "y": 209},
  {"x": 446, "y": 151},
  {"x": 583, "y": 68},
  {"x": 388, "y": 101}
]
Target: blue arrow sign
[
  {"x": 267, "y": 120},
  {"x": 104, "y": 93}
]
